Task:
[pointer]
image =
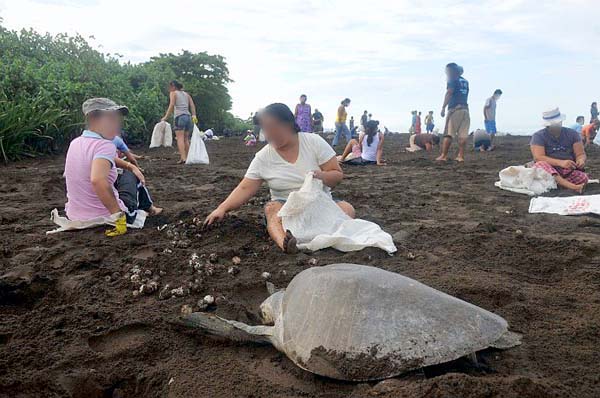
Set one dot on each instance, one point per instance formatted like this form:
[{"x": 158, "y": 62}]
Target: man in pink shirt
[{"x": 95, "y": 187}]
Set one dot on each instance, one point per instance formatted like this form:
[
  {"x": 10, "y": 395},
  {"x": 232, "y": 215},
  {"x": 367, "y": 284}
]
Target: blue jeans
[
  {"x": 341, "y": 128},
  {"x": 490, "y": 127}
]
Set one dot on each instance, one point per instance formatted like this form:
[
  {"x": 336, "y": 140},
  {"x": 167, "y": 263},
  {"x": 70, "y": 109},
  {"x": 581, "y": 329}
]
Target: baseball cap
[{"x": 102, "y": 105}]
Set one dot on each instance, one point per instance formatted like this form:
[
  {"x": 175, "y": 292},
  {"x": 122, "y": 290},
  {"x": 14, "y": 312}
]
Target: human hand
[
  {"x": 194, "y": 119},
  {"x": 580, "y": 163},
  {"x": 217, "y": 215},
  {"x": 443, "y": 113},
  {"x": 318, "y": 174},
  {"x": 120, "y": 226},
  {"x": 382, "y": 163},
  {"x": 138, "y": 173},
  {"x": 568, "y": 164}
]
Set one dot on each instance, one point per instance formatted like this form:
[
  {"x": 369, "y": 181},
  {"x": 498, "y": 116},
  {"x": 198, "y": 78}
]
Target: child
[
  {"x": 250, "y": 139},
  {"x": 578, "y": 124},
  {"x": 429, "y": 122}
]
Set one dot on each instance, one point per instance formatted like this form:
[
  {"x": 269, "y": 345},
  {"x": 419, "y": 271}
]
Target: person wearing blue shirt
[
  {"x": 578, "y": 124},
  {"x": 124, "y": 149},
  {"x": 459, "y": 120}
]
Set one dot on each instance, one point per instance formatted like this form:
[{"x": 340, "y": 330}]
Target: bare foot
[
  {"x": 289, "y": 243},
  {"x": 460, "y": 160},
  {"x": 155, "y": 211},
  {"x": 181, "y": 161},
  {"x": 441, "y": 158}
]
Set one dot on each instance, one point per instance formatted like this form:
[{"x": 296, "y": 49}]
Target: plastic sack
[
  {"x": 162, "y": 135},
  {"x": 261, "y": 136},
  {"x": 317, "y": 222},
  {"x": 197, "y": 153},
  {"x": 64, "y": 224},
  {"x": 531, "y": 181}
]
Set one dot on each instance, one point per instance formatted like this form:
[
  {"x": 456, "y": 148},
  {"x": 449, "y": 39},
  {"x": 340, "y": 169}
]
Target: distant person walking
[
  {"x": 459, "y": 120},
  {"x": 302, "y": 114},
  {"x": 489, "y": 116},
  {"x": 594, "y": 112},
  {"x": 351, "y": 123},
  {"x": 364, "y": 119},
  {"x": 317, "y": 120},
  {"x": 340, "y": 123},
  {"x": 429, "y": 125},
  {"x": 413, "y": 122},
  {"x": 418, "y": 123},
  {"x": 182, "y": 106}
]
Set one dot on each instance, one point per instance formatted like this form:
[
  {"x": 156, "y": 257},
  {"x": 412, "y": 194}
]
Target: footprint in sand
[{"x": 126, "y": 338}]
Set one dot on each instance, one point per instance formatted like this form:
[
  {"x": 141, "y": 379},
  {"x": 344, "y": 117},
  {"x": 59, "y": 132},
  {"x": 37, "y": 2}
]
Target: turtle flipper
[
  {"x": 507, "y": 340},
  {"x": 237, "y": 331}
]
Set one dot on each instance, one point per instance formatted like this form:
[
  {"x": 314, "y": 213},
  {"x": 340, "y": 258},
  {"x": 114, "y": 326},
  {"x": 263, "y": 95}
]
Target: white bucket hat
[{"x": 552, "y": 117}]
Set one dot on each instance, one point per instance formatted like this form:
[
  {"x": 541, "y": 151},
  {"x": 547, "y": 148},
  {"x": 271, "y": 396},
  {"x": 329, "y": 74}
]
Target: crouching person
[
  {"x": 559, "y": 151},
  {"x": 283, "y": 165},
  {"x": 95, "y": 187}
]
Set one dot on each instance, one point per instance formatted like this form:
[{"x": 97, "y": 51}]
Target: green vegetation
[{"x": 44, "y": 79}]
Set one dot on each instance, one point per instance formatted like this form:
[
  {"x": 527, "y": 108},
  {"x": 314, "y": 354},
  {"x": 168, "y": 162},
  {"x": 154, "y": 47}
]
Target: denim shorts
[
  {"x": 184, "y": 122},
  {"x": 490, "y": 127}
]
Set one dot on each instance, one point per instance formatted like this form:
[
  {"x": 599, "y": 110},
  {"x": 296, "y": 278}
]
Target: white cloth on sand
[
  {"x": 530, "y": 181},
  {"x": 566, "y": 206},
  {"x": 64, "y": 224},
  {"x": 197, "y": 153},
  {"x": 318, "y": 222},
  {"x": 162, "y": 135}
]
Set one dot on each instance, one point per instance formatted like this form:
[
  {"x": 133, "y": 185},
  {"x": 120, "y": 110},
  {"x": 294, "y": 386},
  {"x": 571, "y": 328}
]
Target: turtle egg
[
  {"x": 208, "y": 299},
  {"x": 135, "y": 278},
  {"x": 266, "y": 275},
  {"x": 236, "y": 260}
]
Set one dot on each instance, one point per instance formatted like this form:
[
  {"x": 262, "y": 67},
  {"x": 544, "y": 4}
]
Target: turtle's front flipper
[
  {"x": 507, "y": 340},
  {"x": 237, "y": 331}
]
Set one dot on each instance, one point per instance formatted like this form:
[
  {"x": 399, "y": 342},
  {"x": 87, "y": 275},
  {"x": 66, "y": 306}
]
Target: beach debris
[
  {"x": 372, "y": 346},
  {"x": 233, "y": 270},
  {"x": 266, "y": 275},
  {"x": 313, "y": 262},
  {"x": 186, "y": 309},
  {"x": 236, "y": 260},
  {"x": 213, "y": 257},
  {"x": 167, "y": 251},
  {"x": 149, "y": 288},
  {"x": 206, "y": 302},
  {"x": 161, "y": 227},
  {"x": 136, "y": 278},
  {"x": 178, "y": 292},
  {"x": 411, "y": 256},
  {"x": 135, "y": 293},
  {"x": 165, "y": 292},
  {"x": 519, "y": 232}
]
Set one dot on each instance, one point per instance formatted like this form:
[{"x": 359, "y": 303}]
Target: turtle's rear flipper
[
  {"x": 237, "y": 331},
  {"x": 507, "y": 340}
]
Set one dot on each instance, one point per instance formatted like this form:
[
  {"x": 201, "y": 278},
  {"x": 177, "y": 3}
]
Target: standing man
[
  {"x": 429, "y": 122},
  {"x": 459, "y": 120},
  {"x": 364, "y": 120},
  {"x": 317, "y": 119},
  {"x": 489, "y": 116},
  {"x": 351, "y": 123}
]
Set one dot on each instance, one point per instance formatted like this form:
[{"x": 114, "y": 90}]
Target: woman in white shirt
[
  {"x": 283, "y": 165},
  {"x": 368, "y": 149}
]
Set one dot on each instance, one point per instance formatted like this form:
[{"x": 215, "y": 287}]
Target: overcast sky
[{"x": 387, "y": 56}]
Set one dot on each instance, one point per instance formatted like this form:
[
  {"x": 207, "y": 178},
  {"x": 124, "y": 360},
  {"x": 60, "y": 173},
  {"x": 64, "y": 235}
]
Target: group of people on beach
[{"x": 101, "y": 184}]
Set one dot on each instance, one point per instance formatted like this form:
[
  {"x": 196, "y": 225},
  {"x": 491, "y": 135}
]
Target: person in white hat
[{"x": 559, "y": 151}]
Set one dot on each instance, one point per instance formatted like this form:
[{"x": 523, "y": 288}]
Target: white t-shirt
[{"x": 284, "y": 177}]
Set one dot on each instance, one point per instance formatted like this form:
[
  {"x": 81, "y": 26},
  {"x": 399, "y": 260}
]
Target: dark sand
[{"x": 70, "y": 325}]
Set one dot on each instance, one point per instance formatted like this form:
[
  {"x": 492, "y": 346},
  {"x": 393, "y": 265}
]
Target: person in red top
[
  {"x": 418, "y": 124},
  {"x": 589, "y": 131}
]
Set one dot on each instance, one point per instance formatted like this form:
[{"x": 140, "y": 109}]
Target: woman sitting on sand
[
  {"x": 560, "y": 152},
  {"x": 283, "y": 165},
  {"x": 95, "y": 188},
  {"x": 368, "y": 149}
]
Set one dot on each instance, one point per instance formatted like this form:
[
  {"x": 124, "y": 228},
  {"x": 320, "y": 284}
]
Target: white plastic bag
[
  {"x": 162, "y": 135},
  {"x": 566, "y": 206},
  {"x": 318, "y": 222},
  {"x": 64, "y": 224},
  {"x": 197, "y": 153},
  {"x": 531, "y": 181},
  {"x": 261, "y": 136}
]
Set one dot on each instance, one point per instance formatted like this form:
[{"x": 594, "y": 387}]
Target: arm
[
  {"x": 104, "y": 190},
  {"x": 170, "y": 108},
  {"x": 245, "y": 190},
  {"x": 539, "y": 155},
  {"x": 486, "y": 107},
  {"x": 447, "y": 97},
  {"x": 131, "y": 167},
  {"x": 331, "y": 173},
  {"x": 380, "y": 161},
  {"x": 192, "y": 106},
  {"x": 131, "y": 158},
  {"x": 296, "y": 111},
  {"x": 580, "y": 156}
]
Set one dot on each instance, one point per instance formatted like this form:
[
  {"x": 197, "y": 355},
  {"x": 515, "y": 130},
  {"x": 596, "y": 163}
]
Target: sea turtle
[{"x": 356, "y": 322}]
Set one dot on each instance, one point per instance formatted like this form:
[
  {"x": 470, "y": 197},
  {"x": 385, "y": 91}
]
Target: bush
[{"x": 44, "y": 79}]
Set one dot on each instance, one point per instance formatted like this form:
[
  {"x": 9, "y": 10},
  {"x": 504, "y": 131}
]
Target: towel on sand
[
  {"x": 317, "y": 222},
  {"x": 566, "y": 206},
  {"x": 64, "y": 224}
]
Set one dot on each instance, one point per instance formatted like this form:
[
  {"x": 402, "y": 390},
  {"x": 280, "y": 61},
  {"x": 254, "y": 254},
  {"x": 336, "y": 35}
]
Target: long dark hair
[
  {"x": 372, "y": 129},
  {"x": 176, "y": 84},
  {"x": 282, "y": 113}
]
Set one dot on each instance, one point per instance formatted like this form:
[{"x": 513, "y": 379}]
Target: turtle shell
[{"x": 355, "y": 322}]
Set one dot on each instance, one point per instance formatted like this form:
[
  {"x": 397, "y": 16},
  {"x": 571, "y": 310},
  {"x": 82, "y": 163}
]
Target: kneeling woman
[
  {"x": 283, "y": 165},
  {"x": 368, "y": 149}
]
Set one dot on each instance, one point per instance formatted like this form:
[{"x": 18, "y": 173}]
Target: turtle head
[{"x": 271, "y": 307}]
